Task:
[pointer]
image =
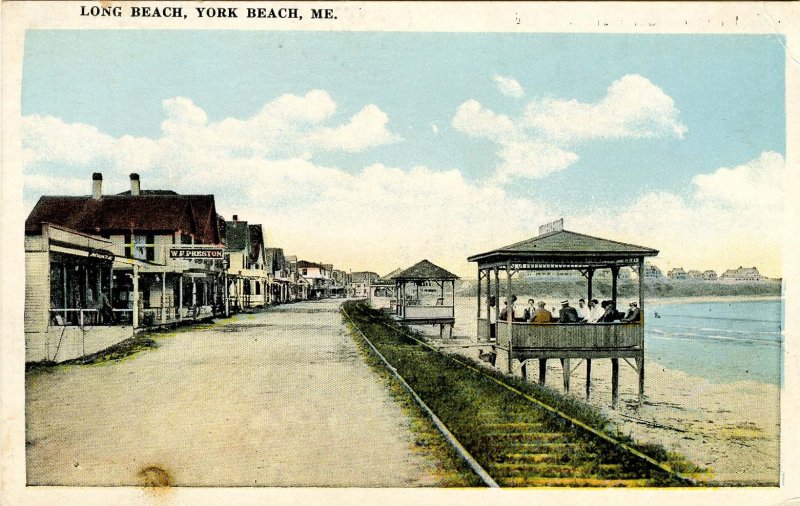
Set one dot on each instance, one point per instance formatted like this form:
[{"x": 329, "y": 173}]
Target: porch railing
[{"x": 87, "y": 316}]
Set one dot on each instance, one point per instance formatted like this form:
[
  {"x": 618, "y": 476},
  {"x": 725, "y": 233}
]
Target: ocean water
[
  {"x": 724, "y": 342},
  {"x": 720, "y": 341}
]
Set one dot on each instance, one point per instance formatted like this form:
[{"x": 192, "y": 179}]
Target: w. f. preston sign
[{"x": 213, "y": 253}]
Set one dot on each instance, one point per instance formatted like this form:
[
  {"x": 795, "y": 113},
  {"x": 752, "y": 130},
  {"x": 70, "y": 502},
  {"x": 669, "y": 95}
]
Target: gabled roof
[
  {"x": 192, "y": 214},
  {"x": 256, "y": 242},
  {"x": 274, "y": 259},
  {"x": 391, "y": 275},
  {"x": 237, "y": 236},
  {"x": 566, "y": 244},
  {"x": 424, "y": 270}
]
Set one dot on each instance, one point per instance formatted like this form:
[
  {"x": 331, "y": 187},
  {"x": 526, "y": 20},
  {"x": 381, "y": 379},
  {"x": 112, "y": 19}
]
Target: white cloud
[
  {"x": 366, "y": 129},
  {"x": 539, "y": 142},
  {"x": 519, "y": 155},
  {"x": 383, "y": 217},
  {"x": 289, "y": 126},
  {"x": 508, "y": 86},
  {"x": 475, "y": 120},
  {"x": 758, "y": 182},
  {"x": 633, "y": 108},
  {"x": 532, "y": 159},
  {"x": 731, "y": 217}
]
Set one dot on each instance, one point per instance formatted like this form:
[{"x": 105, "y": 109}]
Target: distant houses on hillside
[{"x": 652, "y": 274}]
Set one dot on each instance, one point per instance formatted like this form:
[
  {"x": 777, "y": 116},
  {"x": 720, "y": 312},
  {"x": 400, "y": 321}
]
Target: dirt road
[{"x": 278, "y": 398}]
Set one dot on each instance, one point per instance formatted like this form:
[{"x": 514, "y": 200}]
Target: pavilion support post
[
  {"x": 641, "y": 295},
  {"x": 589, "y": 276},
  {"x": 496, "y": 301},
  {"x": 588, "y": 378},
  {"x": 640, "y": 369},
  {"x": 488, "y": 295},
  {"x": 614, "y": 383},
  {"x": 566, "y": 370},
  {"x": 524, "y": 370},
  {"x": 542, "y": 371},
  {"x": 509, "y": 317},
  {"x": 640, "y": 361},
  {"x": 480, "y": 283},
  {"x": 614, "y": 275}
]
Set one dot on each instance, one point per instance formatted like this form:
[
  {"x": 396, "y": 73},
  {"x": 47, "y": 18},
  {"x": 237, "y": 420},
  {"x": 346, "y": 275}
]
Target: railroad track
[{"x": 508, "y": 437}]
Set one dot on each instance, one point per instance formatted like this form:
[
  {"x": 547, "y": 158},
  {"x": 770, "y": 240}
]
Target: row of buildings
[
  {"x": 653, "y": 274},
  {"x": 100, "y": 267}
]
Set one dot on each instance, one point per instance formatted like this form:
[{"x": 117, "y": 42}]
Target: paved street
[{"x": 277, "y": 398}]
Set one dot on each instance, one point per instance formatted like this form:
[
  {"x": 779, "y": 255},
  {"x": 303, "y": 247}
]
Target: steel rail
[
  {"x": 463, "y": 453},
  {"x": 574, "y": 421}
]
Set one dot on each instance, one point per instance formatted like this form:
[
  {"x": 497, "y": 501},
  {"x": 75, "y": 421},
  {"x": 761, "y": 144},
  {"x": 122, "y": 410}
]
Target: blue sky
[{"x": 725, "y": 94}]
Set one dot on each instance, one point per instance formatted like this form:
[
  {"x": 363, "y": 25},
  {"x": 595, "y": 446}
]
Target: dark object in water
[{"x": 657, "y": 315}]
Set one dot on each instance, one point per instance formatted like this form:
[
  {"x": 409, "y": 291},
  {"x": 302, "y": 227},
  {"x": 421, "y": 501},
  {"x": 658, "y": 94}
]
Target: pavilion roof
[
  {"x": 564, "y": 245},
  {"x": 424, "y": 270}
]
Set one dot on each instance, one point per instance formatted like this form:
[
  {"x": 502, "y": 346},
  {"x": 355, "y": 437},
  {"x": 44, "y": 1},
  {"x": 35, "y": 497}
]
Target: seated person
[
  {"x": 517, "y": 315},
  {"x": 595, "y": 311},
  {"x": 567, "y": 314},
  {"x": 582, "y": 310},
  {"x": 634, "y": 314},
  {"x": 504, "y": 313},
  {"x": 529, "y": 311},
  {"x": 610, "y": 313},
  {"x": 542, "y": 315}
]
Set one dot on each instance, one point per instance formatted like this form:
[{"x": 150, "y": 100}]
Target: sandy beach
[{"x": 732, "y": 428}]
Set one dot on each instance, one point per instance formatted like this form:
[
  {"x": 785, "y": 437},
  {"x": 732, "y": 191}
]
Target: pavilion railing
[
  {"x": 421, "y": 312},
  {"x": 571, "y": 336}
]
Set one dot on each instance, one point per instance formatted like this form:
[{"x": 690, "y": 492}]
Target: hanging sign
[{"x": 210, "y": 253}]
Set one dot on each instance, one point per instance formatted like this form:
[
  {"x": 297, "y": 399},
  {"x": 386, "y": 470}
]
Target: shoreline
[{"x": 658, "y": 301}]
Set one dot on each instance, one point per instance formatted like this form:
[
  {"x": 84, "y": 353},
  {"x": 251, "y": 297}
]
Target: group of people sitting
[{"x": 595, "y": 312}]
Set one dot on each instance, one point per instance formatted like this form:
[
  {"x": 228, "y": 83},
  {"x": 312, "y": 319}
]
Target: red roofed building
[{"x": 98, "y": 263}]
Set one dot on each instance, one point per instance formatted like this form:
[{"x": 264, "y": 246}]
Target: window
[{"x": 140, "y": 246}]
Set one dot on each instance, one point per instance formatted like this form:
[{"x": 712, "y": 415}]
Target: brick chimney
[
  {"x": 135, "y": 187},
  {"x": 235, "y": 217},
  {"x": 97, "y": 185}
]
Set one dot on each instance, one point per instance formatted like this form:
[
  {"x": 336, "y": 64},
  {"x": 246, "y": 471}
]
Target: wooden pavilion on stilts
[
  {"x": 558, "y": 249},
  {"x": 422, "y": 298}
]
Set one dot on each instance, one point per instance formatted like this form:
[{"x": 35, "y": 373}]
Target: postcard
[{"x": 353, "y": 252}]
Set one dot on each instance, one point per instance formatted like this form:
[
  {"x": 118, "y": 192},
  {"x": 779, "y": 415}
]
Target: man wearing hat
[
  {"x": 567, "y": 314},
  {"x": 634, "y": 314}
]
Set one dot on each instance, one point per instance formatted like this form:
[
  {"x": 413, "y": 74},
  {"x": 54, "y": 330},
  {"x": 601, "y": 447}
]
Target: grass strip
[{"x": 469, "y": 402}]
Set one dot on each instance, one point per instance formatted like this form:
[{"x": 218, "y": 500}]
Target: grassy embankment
[{"x": 473, "y": 407}]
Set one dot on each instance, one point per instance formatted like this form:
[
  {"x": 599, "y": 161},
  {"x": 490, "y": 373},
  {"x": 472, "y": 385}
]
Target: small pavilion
[
  {"x": 422, "y": 298},
  {"x": 558, "y": 249}
]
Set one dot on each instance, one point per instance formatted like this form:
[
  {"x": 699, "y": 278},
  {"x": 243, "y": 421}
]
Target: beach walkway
[{"x": 277, "y": 398}]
